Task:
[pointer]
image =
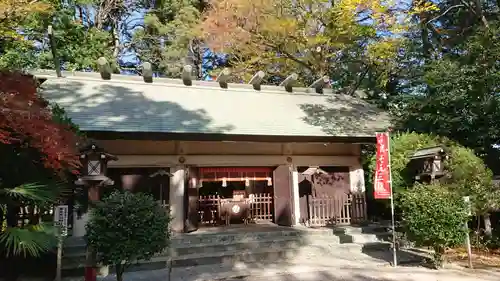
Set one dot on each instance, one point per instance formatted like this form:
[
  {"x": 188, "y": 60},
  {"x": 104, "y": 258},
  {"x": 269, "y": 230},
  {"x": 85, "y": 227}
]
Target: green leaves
[
  {"x": 32, "y": 192},
  {"x": 459, "y": 97},
  {"x": 32, "y": 240},
  {"x": 434, "y": 216},
  {"x": 466, "y": 173},
  {"x": 127, "y": 227}
]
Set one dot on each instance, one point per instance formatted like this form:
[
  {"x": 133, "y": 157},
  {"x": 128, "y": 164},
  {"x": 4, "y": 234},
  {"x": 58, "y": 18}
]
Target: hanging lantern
[
  {"x": 247, "y": 182},
  {"x": 269, "y": 182},
  {"x": 224, "y": 182}
]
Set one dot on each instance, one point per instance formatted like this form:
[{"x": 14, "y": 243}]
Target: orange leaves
[
  {"x": 235, "y": 23},
  {"x": 308, "y": 37},
  {"x": 25, "y": 119},
  {"x": 12, "y": 12}
]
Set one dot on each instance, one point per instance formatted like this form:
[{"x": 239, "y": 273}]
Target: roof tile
[{"x": 127, "y": 104}]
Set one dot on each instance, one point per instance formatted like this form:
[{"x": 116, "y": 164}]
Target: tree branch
[{"x": 445, "y": 12}]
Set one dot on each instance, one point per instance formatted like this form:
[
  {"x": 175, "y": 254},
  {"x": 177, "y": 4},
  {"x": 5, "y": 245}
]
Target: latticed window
[{"x": 94, "y": 168}]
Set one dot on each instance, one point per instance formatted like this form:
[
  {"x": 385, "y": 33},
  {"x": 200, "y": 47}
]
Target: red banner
[{"x": 382, "y": 182}]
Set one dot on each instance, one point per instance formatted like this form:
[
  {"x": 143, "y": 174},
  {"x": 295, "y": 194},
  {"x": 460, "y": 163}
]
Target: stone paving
[
  {"x": 305, "y": 273},
  {"x": 342, "y": 267}
]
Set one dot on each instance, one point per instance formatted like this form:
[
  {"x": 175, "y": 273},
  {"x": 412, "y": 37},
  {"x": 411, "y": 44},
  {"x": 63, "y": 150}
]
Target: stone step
[
  {"x": 368, "y": 229},
  {"x": 364, "y": 238},
  {"x": 211, "y": 238},
  {"x": 279, "y": 242},
  {"x": 74, "y": 243},
  {"x": 259, "y": 255},
  {"x": 195, "y": 249},
  {"x": 74, "y": 265},
  {"x": 230, "y": 257}
]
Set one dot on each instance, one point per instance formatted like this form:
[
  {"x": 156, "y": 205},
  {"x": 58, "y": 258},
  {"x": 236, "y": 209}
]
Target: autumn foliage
[
  {"x": 26, "y": 120},
  {"x": 309, "y": 37},
  {"x": 13, "y": 12}
]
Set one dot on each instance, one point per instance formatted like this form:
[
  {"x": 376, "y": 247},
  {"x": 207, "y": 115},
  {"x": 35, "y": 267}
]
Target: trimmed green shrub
[
  {"x": 434, "y": 217},
  {"x": 127, "y": 227},
  {"x": 466, "y": 172}
]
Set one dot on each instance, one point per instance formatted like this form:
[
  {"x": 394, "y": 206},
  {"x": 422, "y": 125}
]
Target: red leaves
[{"x": 25, "y": 119}]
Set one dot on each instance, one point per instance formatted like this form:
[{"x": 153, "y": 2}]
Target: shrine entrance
[
  {"x": 235, "y": 195},
  {"x": 152, "y": 181}
]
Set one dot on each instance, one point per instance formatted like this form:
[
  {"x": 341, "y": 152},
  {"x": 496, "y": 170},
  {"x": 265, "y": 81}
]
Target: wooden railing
[
  {"x": 338, "y": 210},
  {"x": 261, "y": 208},
  {"x": 208, "y": 209}
]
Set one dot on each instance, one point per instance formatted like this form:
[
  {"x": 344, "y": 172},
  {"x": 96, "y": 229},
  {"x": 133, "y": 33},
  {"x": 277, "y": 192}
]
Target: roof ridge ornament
[
  {"x": 289, "y": 81},
  {"x": 187, "y": 78},
  {"x": 147, "y": 72},
  {"x": 104, "y": 68},
  {"x": 320, "y": 84},
  {"x": 223, "y": 77},
  {"x": 256, "y": 79}
]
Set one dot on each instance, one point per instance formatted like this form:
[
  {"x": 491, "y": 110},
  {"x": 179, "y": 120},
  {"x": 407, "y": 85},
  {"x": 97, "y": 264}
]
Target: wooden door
[
  {"x": 192, "y": 197},
  {"x": 282, "y": 179}
]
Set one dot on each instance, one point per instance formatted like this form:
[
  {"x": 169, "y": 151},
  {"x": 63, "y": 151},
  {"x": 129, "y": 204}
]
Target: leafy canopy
[
  {"x": 126, "y": 227},
  {"x": 311, "y": 37},
  {"x": 26, "y": 118},
  {"x": 38, "y": 148},
  {"x": 459, "y": 99},
  {"x": 466, "y": 172}
]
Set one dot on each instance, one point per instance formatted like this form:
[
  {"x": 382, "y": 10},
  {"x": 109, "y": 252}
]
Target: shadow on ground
[{"x": 364, "y": 272}]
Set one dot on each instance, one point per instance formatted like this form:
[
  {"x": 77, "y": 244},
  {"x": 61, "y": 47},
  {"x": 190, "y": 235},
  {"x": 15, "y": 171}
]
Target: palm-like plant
[{"x": 35, "y": 237}]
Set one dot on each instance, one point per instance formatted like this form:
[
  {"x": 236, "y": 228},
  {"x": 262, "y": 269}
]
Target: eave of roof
[{"x": 126, "y": 105}]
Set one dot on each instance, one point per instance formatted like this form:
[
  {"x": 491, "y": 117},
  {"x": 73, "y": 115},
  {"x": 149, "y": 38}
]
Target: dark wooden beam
[{"x": 109, "y": 135}]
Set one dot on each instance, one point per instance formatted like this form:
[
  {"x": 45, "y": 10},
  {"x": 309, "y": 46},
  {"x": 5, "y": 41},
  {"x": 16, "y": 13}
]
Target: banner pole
[{"x": 394, "y": 250}]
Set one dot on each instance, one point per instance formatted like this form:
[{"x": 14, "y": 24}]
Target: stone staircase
[
  {"x": 370, "y": 236},
  {"x": 251, "y": 244}
]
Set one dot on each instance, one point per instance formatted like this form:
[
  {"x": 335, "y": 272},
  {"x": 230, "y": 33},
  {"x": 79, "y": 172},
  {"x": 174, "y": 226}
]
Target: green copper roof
[{"x": 128, "y": 104}]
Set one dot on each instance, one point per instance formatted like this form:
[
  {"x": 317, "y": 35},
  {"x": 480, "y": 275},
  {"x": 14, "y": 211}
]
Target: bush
[
  {"x": 466, "y": 172},
  {"x": 127, "y": 227},
  {"x": 434, "y": 217}
]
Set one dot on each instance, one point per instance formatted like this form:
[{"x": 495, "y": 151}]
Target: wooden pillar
[
  {"x": 359, "y": 211},
  {"x": 295, "y": 196},
  {"x": 192, "y": 201},
  {"x": 91, "y": 255},
  {"x": 177, "y": 193},
  {"x": 357, "y": 179},
  {"x": 283, "y": 198}
]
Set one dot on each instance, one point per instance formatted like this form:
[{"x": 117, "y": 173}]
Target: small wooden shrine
[{"x": 427, "y": 163}]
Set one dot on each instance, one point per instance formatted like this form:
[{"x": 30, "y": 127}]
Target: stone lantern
[
  {"x": 94, "y": 162},
  {"x": 427, "y": 163}
]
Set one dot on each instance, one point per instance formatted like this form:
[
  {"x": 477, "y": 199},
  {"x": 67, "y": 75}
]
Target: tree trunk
[
  {"x": 116, "y": 41},
  {"x": 80, "y": 12},
  {"x": 479, "y": 13},
  {"x": 119, "y": 272},
  {"x": 426, "y": 45},
  {"x": 438, "y": 256},
  {"x": 487, "y": 225}
]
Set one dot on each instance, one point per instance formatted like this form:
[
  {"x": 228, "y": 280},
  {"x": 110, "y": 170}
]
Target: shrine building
[{"x": 215, "y": 153}]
